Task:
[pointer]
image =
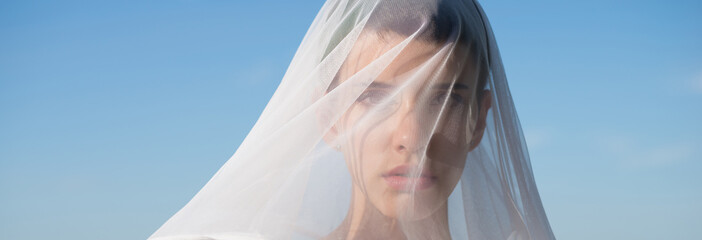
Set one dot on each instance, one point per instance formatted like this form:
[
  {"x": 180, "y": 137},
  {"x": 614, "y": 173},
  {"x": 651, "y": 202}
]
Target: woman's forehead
[{"x": 419, "y": 59}]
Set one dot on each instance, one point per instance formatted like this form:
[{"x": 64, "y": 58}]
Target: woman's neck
[{"x": 365, "y": 221}]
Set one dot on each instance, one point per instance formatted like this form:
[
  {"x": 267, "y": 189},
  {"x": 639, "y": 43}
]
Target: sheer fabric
[{"x": 393, "y": 121}]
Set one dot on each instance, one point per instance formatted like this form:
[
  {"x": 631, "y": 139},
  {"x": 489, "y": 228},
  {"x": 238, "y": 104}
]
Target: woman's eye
[
  {"x": 372, "y": 97},
  {"x": 453, "y": 99}
]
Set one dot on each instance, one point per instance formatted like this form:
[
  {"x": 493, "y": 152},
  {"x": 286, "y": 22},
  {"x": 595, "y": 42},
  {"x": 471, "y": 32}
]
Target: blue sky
[{"x": 114, "y": 114}]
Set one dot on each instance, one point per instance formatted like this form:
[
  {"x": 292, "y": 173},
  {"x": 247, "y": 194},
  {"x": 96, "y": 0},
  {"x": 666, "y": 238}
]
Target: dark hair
[{"x": 435, "y": 21}]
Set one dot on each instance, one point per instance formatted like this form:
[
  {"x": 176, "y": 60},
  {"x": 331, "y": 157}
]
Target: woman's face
[{"x": 406, "y": 137}]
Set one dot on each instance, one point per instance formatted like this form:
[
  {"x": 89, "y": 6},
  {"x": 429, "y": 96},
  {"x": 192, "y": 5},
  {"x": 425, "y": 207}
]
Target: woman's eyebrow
[
  {"x": 456, "y": 86},
  {"x": 379, "y": 85}
]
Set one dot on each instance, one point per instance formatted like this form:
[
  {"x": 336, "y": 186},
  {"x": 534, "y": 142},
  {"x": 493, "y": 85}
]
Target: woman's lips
[{"x": 406, "y": 178}]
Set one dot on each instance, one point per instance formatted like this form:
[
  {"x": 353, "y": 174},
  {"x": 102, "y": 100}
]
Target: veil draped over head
[{"x": 393, "y": 121}]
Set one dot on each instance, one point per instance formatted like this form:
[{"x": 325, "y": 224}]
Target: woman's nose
[{"x": 411, "y": 134}]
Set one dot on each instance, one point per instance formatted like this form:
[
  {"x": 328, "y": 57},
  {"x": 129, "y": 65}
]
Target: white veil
[{"x": 393, "y": 121}]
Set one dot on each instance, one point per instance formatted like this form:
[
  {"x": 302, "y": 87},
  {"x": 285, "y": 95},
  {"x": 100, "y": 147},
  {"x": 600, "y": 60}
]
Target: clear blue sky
[{"x": 114, "y": 114}]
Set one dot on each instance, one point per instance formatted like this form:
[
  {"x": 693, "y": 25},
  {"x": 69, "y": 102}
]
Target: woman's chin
[{"x": 411, "y": 207}]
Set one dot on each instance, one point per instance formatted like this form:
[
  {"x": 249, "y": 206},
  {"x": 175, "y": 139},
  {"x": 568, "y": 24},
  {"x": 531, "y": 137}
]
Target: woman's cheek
[
  {"x": 453, "y": 128},
  {"x": 448, "y": 145}
]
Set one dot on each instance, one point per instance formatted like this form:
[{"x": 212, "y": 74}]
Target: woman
[{"x": 394, "y": 121}]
